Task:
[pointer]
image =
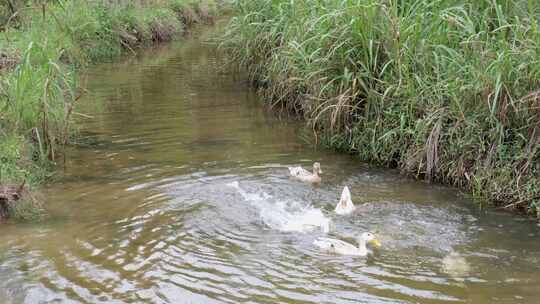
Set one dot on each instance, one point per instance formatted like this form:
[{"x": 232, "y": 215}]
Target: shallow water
[{"x": 178, "y": 193}]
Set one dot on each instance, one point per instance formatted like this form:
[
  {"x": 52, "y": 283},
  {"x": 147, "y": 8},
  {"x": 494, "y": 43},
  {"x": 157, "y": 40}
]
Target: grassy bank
[
  {"x": 445, "y": 90},
  {"x": 42, "y": 43}
]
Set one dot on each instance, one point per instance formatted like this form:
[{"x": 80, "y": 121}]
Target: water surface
[{"x": 178, "y": 193}]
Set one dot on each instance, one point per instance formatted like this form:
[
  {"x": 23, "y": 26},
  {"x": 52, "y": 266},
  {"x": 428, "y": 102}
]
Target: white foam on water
[
  {"x": 284, "y": 215},
  {"x": 455, "y": 265}
]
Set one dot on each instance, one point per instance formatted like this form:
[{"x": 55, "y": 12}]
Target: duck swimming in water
[
  {"x": 306, "y": 176},
  {"x": 344, "y": 248}
]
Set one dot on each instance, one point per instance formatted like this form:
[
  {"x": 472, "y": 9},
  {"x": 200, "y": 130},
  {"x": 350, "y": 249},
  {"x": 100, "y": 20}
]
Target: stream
[{"x": 178, "y": 192}]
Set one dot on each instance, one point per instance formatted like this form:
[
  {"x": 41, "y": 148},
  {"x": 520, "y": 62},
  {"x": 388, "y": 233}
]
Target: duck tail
[{"x": 345, "y": 195}]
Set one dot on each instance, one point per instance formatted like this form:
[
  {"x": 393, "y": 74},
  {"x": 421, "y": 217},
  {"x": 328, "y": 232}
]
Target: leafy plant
[{"x": 445, "y": 90}]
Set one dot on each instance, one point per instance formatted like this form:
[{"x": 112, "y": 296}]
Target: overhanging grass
[
  {"x": 39, "y": 54},
  {"x": 446, "y": 90}
]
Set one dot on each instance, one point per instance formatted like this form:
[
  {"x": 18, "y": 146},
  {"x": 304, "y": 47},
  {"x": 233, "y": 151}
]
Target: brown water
[{"x": 147, "y": 210}]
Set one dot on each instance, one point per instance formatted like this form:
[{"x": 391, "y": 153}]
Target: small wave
[{"x": 284, "y": 215}]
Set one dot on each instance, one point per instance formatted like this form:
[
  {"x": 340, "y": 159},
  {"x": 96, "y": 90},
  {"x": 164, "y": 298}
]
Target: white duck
[
  {"x": 341, "y": 247},
  {"x": 345, "y": 205},
  {"x": 306, "y": 176}
]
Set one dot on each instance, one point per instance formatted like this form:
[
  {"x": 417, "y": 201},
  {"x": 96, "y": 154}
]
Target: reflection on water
[{"x": 145, "y": 210}]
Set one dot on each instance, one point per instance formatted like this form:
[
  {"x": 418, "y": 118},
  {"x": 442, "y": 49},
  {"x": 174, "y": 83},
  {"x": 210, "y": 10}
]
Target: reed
[
  {"x": 42, "y": 43},
  {"x": 445, "y": 90}
]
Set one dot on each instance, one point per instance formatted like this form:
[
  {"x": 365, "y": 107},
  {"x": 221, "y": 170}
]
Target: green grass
[
  {"x": 40, "y": 52},
  {"x": 445, "y": 90}
]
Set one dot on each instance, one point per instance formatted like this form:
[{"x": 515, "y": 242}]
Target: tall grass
[
  {"x": 39, "y": 54},
  {"x": 446, "y": 90}
]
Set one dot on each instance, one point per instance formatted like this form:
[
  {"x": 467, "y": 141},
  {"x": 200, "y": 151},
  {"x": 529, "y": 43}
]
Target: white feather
[
  {"x": 297, "y": 171},
  {"x": 344, "y": 248},
  {"x": 345, "y": 204}
]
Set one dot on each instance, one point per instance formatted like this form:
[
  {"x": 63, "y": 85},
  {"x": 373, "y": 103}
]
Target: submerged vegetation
[
  {"x": 41, "y": 45},
  {"x": 445, "y": 90}
]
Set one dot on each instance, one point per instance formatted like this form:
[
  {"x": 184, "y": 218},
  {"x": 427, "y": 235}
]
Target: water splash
[
  {"x": 455, "y": 265},
  {"x": 284, "y": 215}
]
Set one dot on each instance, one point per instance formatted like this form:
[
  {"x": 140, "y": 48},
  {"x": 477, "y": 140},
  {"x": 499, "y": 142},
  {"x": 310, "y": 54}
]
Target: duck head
[{"x": 369, "y": 238}]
